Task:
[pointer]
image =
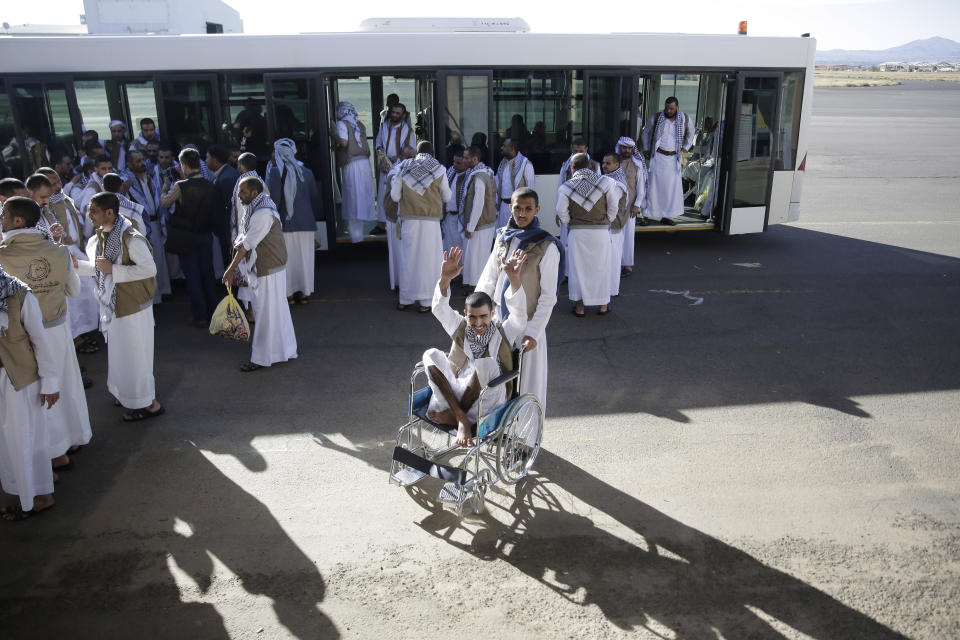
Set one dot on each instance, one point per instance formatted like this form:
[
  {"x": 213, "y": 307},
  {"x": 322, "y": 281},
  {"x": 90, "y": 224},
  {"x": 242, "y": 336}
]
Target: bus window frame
[
  {"x": 318, "y": 84},
  {"x": 734, "y": 100},
  {"x": 440, "y": 99},
  {"x": 213, "y": 77},
  {"x": 635, "y": 78},
  {"x": 13, "y": 81}
]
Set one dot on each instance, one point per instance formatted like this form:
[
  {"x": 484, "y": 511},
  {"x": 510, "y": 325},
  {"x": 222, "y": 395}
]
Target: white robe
[
  {"x": 358, "y": 192},
  {"x": 616, "y": 254},
  {"x": 450, "y": 225},
  {"x": 273, "y": 337},
  {"x": 301, "y": 261},
  {"x": 665, "y": 190},
  {"x": 627, "y": 245},
  {"x": 422, "y": 247},
  {"x": 506, "y": 191},
  {"x": 477, "y": 249},
  {"x": 387, "y": 142},
  {"x": 493, "y": 281},
  {"x": 588, "y": 255},
  {"x": 129, "y": 338},
  {"x": 486, "y": 368},
  {"x": 25, "y": 469}
]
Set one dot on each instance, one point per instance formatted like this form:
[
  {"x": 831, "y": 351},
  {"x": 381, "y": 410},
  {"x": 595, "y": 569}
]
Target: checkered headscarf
[
  {"x": 423, "y": 171},
  {"x": 584, "y": 188},
  {"x": 9, "y": 286}
]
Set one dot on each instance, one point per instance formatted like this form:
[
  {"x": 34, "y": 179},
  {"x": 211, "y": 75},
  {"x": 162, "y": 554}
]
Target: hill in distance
[{"x": 934, "y": 49}]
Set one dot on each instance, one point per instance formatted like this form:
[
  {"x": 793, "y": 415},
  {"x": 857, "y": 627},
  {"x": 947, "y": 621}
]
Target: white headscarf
[
  {"x": 285, "y": 157},
  {"x": 637, "y": 157},
  {"x": 346, "y": 111}
]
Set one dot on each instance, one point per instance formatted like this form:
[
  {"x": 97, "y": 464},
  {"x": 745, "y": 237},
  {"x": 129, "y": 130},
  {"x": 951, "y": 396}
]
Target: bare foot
[
  {"x": 60, "y": 462},
  {"x": 464, "y": 437},
  {"x": 442, "y": 417}
]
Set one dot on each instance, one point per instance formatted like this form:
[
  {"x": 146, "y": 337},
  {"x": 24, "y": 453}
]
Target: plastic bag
[{"x": 229, "y": 320}]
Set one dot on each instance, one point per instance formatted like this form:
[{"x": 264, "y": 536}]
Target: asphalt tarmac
[{"x": 780, "y": 460}]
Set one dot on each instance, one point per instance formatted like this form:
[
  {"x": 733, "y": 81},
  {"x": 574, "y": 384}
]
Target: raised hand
[
  {"x": 514, "y": 263},
  {"x": 451, "y": 266}
]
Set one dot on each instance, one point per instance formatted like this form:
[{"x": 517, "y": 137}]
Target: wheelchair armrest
[{"x": 502, "y": 379}]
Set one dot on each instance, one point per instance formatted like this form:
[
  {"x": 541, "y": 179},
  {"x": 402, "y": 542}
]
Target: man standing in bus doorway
[
  {"x": 667, "y": 135},
  {"x": 538, "y": 277},
  {"x": 117, "y": 145},
  {"x": 579, "y": 145},
  {"x": 588, "y": 202},
  {"x": 353, "y": 159},
  {"x": 478, "y": 214},
  {"x": 456, "y": 178},
  {"x": 635, "y": 171},
  {"x": 394, "y": 137},
  {"x": 298, "y": 201},
  {"x": 514, "y": 171},
  {"x": 420, "y": 189}
]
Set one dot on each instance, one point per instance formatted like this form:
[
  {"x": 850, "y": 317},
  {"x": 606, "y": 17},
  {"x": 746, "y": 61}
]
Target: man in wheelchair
[{"x": 481, "y": 350}]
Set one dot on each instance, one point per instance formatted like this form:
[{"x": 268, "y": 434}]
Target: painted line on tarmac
[{"x": 871, "y": 222}]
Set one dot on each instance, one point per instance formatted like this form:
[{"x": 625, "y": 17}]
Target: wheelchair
[{"x": 506, "y": 443}]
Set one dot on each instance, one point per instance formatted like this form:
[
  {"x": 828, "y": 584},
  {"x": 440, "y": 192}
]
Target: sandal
[
  {"x": 402, "y": 307},
  {"x": 247, "y": 367},
  {"x": 424, "y": 310},
  {"x": 88, "y": 346},
  {"x": 300, "y": 298},
  {"x": 604, "y": 312},
  {"x": 17, "y": 514},
  {"x": 142, "y": 414},
  {"x": 579, "y": 315}
]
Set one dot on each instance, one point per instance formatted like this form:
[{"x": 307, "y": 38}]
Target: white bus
[{"x": 749, "y": 97}]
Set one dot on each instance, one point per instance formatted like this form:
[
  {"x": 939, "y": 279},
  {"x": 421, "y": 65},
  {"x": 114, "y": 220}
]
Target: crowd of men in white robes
[{"x": 88, "y": 252}]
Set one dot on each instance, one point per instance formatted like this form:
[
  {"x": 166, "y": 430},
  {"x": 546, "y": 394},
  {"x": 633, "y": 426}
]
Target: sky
[{"x": 847, "y": 24}]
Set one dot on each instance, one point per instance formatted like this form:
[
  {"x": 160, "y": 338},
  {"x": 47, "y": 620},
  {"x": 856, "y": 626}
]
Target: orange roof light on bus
[{"x": 743, "y": 28}]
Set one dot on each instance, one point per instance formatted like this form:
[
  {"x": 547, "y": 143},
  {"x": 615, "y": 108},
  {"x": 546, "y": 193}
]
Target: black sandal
[
  {"x": 17, "y": 514},
  {"x": 142, "y": 414},
  {"x": 247, "y": 367},
  {"x": 88, "y": 346}
]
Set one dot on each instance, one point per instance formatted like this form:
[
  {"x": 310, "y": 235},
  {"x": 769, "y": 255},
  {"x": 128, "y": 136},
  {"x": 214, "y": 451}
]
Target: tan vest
[
  {"x": 44, "y": 266},
  {"x": 353, "y": 149},
  {"x": 529, "y": 272},
  {"x": 622, "y": 213},
  {"x": 428, "y": 206},
  {"x": 458, "y": 357},
  {"x": 16, "y": 352},
  {"x": 490, "y": 199},
  {"x": 596, "y": 217},
  {"x": 630, "y": 170},
  {"x": 65, "y": 211},
  {"x": 272, "y": 251},
  {"x": 390, "y": 206},
  {"x": 137, "y": 295}
]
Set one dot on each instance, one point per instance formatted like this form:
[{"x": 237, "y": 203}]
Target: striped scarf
[
  {"x": 422, "y": 172},
  {"x": 515, "y": 165},
  {"x": 9, "y": 286},
  {"x": 111, "y": 248},
  {"x": 681, "y": 122},
  {"x": 465, "y": 181}
]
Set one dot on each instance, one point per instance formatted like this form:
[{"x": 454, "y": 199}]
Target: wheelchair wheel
[{"x": 519, "y": 441}]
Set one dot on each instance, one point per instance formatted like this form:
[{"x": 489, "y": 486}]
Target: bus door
[
  {"x": 47, "y": 123},
  {"x": 188, "y": 109},
  {"x": 610, "y": 103},
  {"x": 296, "y": 110},
  {"x": 753, "y": 145},
  {"x": 463, "y": 112}
]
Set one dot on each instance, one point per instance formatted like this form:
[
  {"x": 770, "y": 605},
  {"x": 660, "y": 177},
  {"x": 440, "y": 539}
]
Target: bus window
[
  {"x": 45, "y": 122},
  {"x": 356, "y": 91},
  {"x": 244, "y": 119},
  {"x": 9, "y": 149},
  {"x": 189, "y": 114},
  {"x": 609, "y": 111},
  {"x": 140, "y": 102},
  {"x": 541, "y": 110},
  {"x": 467, "y": 112},
  {"x": 754, "y": 144},
  {"x": 791, "y": 100},
  {"x": 94, "y": 108}
]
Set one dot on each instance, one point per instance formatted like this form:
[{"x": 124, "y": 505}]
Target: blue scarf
[{"x": 531, "y": 234}]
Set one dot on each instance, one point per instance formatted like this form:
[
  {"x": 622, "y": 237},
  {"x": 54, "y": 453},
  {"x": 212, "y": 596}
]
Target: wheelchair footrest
[
  {"x": 428, "y": 468},
  {"x": 407, "y": 477},
  {"x": 450, "y": 493}
]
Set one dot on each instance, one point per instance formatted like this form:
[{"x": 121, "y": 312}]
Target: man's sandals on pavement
[
  {"x": 137, "y": 415},
  {"x": 16, "y": 513}
]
